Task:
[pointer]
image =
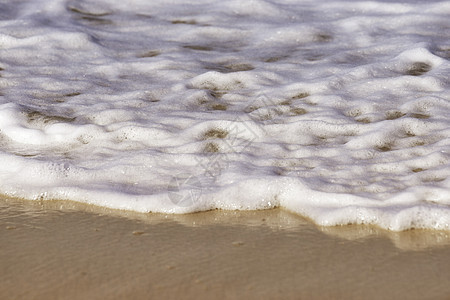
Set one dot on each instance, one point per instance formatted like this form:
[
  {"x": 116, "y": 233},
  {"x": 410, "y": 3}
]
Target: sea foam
[{"x": 335, "y": 110}]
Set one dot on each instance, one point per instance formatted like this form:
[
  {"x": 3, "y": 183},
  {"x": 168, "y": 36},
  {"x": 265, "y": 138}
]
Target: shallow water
[
  {"x": 67, "y": 250},
  {"x": 336, "y": 110}
]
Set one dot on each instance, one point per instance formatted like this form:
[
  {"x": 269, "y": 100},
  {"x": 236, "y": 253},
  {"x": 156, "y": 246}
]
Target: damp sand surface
[{"x": 64, "y": 250}]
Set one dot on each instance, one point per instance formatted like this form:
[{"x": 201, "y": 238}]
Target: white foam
[{"x": 335, "y": 110}]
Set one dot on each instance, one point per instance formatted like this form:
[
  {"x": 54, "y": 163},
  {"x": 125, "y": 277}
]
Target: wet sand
[{"x": 61, "y": 250}]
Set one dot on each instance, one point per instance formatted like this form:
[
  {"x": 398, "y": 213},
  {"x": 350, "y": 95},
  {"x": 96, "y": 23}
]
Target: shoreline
[{"x": 67, "y": 250}]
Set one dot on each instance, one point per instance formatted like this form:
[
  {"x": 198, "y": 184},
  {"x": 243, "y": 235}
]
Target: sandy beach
[
  {"x": 60, "y": 250},
  {"x": 244, "y": 127}
]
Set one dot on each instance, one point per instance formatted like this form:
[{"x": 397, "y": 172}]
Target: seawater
[{"x": 336, "y": 110}]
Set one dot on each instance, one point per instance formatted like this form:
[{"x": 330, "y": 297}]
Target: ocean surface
[{"x": 336, "y": 110}]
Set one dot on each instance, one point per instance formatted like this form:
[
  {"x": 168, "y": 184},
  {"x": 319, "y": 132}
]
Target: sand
[{"x": 63, "y": 250}]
